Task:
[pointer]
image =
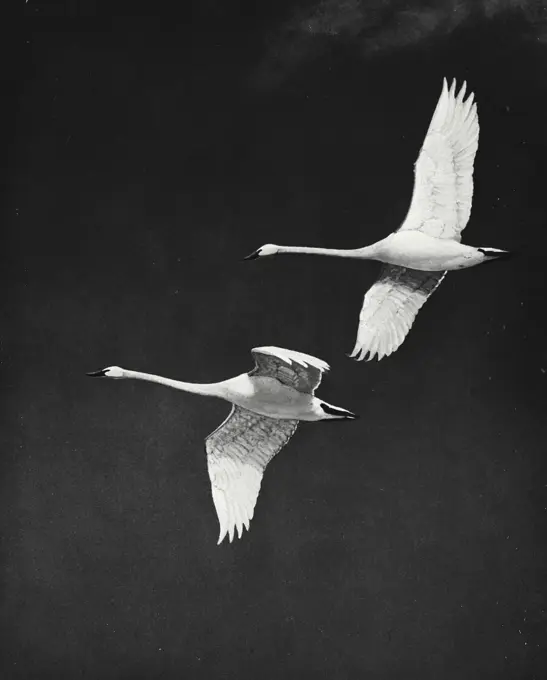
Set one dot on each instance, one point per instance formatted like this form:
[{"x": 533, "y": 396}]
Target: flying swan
[
  {"x": 267, "y": 404},
  {"x": 417, "y": 256}
]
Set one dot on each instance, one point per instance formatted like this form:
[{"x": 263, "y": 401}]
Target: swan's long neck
[
  {"x": 206, "y": 389},
  {"x": 367, "y": 253}
]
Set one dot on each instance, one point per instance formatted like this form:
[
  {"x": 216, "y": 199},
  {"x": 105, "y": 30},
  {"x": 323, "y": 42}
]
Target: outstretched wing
[
  {"x": 296, "y": 369},
  {"x": 443, "y": 173},
  {"x": 389, "y": 309},
  {"x": 238, "y": 452}
]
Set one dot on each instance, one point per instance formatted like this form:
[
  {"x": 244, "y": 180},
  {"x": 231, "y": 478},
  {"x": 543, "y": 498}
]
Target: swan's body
[
  {"x": 427, "y": 244},
  {"x": 267, "y": 405},
  {"x": 427, "y": 253}
]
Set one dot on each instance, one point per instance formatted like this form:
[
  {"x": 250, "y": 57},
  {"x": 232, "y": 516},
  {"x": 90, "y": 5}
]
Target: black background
[{"x": 153, "y": 149}]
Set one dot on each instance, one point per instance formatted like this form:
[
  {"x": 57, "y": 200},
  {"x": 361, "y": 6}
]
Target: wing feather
[
  {"x": 389, "y": 309},
  {"x": 237, "y": 454},
  {"x": 443, "y": 173},
  {"x": 296, "y": 369}
]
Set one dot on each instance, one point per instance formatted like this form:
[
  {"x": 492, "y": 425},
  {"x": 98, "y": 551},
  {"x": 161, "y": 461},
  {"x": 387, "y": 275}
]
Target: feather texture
[
  {"x": 238, "y": 452},
  {"x": 443, "y": 172},
  {"x": 296, "y": 369},
  {"x": 389, "y": 309}
]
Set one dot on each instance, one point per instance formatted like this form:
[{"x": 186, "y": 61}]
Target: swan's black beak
[
  {"x": 97, "y": 374},
  {"x": 253, "y": 256}
]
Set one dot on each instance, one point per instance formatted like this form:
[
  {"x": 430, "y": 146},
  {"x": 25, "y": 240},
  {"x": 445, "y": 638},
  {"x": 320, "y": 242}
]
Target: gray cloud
[{"x": 376, "y": 26}]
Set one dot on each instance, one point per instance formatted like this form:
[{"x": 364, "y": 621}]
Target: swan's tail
[
  {"x": 491, "y": 254},
  {"x": 336, "y": 413}
]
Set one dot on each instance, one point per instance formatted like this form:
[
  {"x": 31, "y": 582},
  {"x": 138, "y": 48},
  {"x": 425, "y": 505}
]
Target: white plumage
[
  {"x": 443, "y": 173},
  {"x": 237, "y": 455},
  {"x": 239, "y": 450},
  {"x": 389, "y": 309},
  {"x": 267, "y": 405},
  {"x": 440, "y": 208},
  {"x": 417, "y": 256}
]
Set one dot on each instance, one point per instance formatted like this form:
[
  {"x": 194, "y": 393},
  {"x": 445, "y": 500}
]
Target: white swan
[
  {"x": 267, "y": 404},
  {"x": 427, "y": 244}
]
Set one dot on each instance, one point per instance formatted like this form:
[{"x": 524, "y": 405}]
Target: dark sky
[{"x": 150, "y": 154}]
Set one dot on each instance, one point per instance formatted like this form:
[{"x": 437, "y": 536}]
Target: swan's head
[
  {"x": 263, "y": 251},
  {"x": 108, "y": 372}
]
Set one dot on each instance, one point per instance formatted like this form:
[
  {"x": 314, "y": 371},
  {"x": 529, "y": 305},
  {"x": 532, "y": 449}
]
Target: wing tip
[
  {"x": 232, "y": 534},
  {"x": 453, "y": 89},
  {"x": 360, "y": 354},
  {"x": 368, "y": 355}
]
